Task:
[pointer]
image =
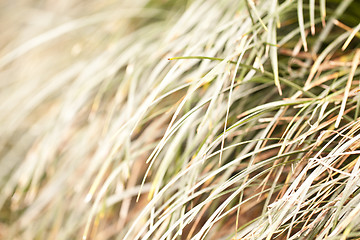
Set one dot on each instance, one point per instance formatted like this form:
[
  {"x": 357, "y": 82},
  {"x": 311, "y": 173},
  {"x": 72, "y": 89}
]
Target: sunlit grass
[{"x": 196, "y": 119}]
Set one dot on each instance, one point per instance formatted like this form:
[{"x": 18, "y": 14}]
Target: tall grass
[{"x": 199, "y": 119}]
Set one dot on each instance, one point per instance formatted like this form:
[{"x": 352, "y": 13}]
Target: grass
[{"x": 180, "y": 120}]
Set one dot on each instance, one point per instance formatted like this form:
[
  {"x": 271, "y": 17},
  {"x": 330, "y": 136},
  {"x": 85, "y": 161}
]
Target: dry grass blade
[
  {"x": 355, "y": 64},
  {"x": 354, "y": 32},
  {"x": 301, "y": 24}
]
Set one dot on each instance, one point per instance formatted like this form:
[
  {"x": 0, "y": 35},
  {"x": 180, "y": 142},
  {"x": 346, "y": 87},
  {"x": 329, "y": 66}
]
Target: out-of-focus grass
[{"x": 195, "y": 119}]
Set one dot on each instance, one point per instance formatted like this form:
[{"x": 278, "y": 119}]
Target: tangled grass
[{"x": 198, "y": 119}]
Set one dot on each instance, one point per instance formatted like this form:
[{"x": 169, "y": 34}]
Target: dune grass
[{"x": 198, "y": 119}]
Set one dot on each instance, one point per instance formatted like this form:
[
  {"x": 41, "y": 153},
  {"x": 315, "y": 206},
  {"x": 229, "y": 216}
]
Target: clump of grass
[{"x": 180, "y": 120}]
